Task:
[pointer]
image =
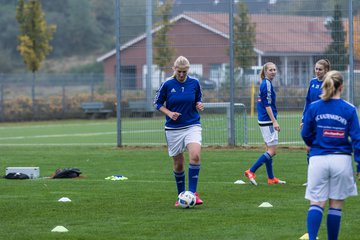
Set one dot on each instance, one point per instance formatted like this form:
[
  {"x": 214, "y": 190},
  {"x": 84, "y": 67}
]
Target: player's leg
[
  {"x": 179, "y": 172},
  {"x": 194, "y": 165},
  {"x": 193, "y": 141},
  {"x": 270, "y": 138},
  {"x": 342, "y": 185},
  {"x": 271, "y": 151},
  {"x": 176, "y": 148},
  {"x": 317, "y": 192},
  {"x": 314, "y": 217},
  {"x": 334, "y": 218}
]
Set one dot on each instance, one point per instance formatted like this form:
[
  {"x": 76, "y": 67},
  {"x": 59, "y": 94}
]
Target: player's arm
[
  {"x": 273, "y": 119},
  {"x": 160, "y": 100},
  {"x": 173, "y": 115},
  {"x": 354, "y": 132},
  {"x": 306, "y": 105},
  {"x": 198, "y": 98},
  {"x": 307, "y": 132}
]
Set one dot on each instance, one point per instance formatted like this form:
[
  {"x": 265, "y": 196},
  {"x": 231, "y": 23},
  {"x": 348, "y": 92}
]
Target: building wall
[{"x": 188, "y": 39}]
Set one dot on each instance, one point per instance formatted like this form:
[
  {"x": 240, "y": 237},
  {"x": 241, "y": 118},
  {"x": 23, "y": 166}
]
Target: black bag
[
  {"x": 67, "y": 173},
  {"x": 14, "y": 175}
]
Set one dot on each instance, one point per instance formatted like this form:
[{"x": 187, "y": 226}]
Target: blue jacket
[
  {"x": 180, "y": 97},
  {"x": 313, "y": 94},
  {"x": 328, "y": 127},
  {"x": 266, "y": 98}
]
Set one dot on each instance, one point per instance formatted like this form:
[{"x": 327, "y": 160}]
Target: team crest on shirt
[
  {"x": 173, "y": 90},
  {"x": 333, "y": 133}
]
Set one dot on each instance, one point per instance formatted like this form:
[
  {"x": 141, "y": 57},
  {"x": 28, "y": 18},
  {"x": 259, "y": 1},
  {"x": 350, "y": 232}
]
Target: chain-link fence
[{"x": 292, "y": 34}]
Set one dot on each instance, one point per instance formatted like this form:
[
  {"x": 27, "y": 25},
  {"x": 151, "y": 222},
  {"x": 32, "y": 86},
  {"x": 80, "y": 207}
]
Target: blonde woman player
[
  {"x": 267, "y": 120},
  {"x": 322, "y": 66},
  {"x": 180, "y": 99},
  {"x": 328, "y": 125}
]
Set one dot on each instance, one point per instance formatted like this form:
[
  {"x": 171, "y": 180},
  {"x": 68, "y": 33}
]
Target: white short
[
  {"x": 177, "y": 140},
  {"x": 270, "y": 135},
  {"x": 330, "y": 177}
]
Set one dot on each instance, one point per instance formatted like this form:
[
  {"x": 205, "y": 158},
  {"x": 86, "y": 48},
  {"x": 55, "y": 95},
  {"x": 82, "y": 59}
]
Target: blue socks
[
  {"x": 314, "y": 217},
  {"x": 180, "y": 181},
  {"x": 333, "y": 223},
  {"x": 193, "y": 176},
  {"x": 265, "y": 158},
  {"x": 269, "y": 168}
]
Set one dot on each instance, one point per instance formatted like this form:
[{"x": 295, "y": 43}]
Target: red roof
[{"x": 278, "y": 34}]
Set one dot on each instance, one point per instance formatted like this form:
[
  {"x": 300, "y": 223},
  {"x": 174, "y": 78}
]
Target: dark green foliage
[
  {"x": 163, "y": 54},
  {"x": 337, "y": 51},
  {"x": 244, "y": 38}
]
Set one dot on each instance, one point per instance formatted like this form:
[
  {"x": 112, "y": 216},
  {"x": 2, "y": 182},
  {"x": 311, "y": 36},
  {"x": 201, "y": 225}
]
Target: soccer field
[
  {"x": 142, "y": 207},
  {"x": 141, "y": 131}
]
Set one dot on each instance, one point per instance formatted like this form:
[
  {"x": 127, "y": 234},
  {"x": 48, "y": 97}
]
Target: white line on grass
[{"x": 76, "y": 134}]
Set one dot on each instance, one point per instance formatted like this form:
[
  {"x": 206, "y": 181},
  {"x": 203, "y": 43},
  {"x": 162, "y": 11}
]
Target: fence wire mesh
[{"x": 293, "y": 34}]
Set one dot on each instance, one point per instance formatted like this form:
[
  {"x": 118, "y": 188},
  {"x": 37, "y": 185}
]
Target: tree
[
  {"x": 337, "y": 52},
  {"x": 34, "y": 37},
  {"x": 244, "y": 38},
  {"x": 163, "y": 53}
]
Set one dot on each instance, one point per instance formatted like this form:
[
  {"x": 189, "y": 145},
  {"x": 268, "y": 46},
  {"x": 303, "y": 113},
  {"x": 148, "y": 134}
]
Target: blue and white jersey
[
  {"x": 266, "y": 98},
  {"x": 180, "y": 97},
  {"x": 328, "y": 127},
  {"x": 313, "y": 94}
]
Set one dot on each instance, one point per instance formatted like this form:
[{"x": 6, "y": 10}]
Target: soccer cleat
[
  {"x": 251, "y": 176},
  {"x": 198, "y": 200},
  {"x": 177, "y": 203},
  {"x": 275, "y": 181}
]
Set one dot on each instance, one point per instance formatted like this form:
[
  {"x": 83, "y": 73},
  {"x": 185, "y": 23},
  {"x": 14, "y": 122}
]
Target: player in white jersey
[
  {"x": 180, "y": 99},
  {"x": 267, "y": 120},
  {"x": 329, "y": 124}
]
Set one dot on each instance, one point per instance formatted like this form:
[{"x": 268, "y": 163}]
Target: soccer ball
[{"x": 187, "y": 199}]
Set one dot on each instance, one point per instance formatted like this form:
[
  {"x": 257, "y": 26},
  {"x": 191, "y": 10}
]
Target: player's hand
[
  {"x": 301, "y": 125},
  {"x": 200, "y": 106},
  {"x": 276, "y": 126},
  {"x": 174, "y": 115}
]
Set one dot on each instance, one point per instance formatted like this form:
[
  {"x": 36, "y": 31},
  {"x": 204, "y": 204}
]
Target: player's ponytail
[{"x": 333, "y": 80}]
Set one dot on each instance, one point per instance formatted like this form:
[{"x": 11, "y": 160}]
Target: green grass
[
  {"x": 141, "y": 131},
  {"x": 142, "y": 207}
]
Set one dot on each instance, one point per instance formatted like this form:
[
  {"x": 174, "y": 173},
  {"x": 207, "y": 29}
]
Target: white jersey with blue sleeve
[
  {"x": 266, "y": 98},
  {"x": 328, "y": 127},
  {"x": 180, "y": 97}
]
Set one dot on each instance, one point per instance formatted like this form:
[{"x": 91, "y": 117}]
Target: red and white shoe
[
  {"x": 177, "y": 203},
  {"x": 275, "y": 181},
  {"x": 198, "y": 200},
  {"x": 251, "y": 176}
]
